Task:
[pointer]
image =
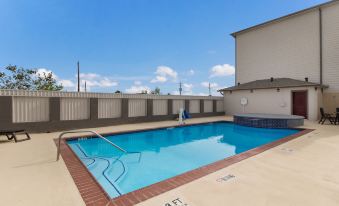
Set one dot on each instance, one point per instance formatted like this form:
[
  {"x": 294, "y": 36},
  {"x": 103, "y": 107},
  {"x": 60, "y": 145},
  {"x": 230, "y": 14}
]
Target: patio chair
[
  {"x": 337, "y": 116},
  {"x": 326, "y": 116},
  {"x": 11, "y": 134}
]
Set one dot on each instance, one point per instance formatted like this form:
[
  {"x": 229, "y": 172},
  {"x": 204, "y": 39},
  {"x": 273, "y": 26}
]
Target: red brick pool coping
[{"x": 93, "y": 194}]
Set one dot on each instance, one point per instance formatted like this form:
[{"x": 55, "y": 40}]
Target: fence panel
[
  {"x": 74, "y": 108},
  {"x": 30, "y": 109},
  {"x": 194, "y": 106},
  {"x": 109, "y": 108},
  {"x": 160, "y": 107},
  {"x": 208, "y": 106},
  {"x": 177, "y": 104},
  {"x": 137, "y": 107}
]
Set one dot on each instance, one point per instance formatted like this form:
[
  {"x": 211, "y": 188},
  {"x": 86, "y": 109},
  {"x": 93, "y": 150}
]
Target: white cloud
[
  {"x": 137, "y": 89},
  {"x": 91, "y": 79},
  {"x": 206, "y": 84},
  {"x": 160, "y": 79},
  {"x": 222, "y": 70},
  {"x": 202, "y": 94},
  {"x": 186, "y": 90},
  {"x": 163, "y": 74},
  {"x": 66, "y": 83},
  {"x": 137, "y": 82},
  {"x": 42, "y": 71},
  {"x": 89, "y": 76},
  {"x": 175, "y": 92},
  {"x": 191, "y": 72},
  {"x": 96, "y": 80},
  {"x": 187, "y": 87},
  {"x": 107, "y": 83}
]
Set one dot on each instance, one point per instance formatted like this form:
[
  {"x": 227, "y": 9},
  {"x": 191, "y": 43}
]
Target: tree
[
  {"x": 156, "y": 91},
  {"x": 18, "y": 78},
  {"x": 46, "y": 81},
  {"x": 27, "y": 79},
  {"x": 117, "y": 92}
]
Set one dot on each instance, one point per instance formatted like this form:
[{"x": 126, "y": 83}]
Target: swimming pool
[{"x": 159, "y": 154}]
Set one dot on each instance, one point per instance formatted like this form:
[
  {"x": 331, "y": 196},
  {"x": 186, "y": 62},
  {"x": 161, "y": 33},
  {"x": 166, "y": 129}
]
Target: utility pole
[
  {"x": 78, "y": 76},
  {"x": 85, "y": 87},
  {"x": 180, "y": 88},
  {"x": 209, "y": 89}
]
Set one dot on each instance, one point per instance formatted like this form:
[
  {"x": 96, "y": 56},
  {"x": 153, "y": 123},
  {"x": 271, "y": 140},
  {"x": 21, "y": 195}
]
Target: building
[{"x": 288, "y": 65}]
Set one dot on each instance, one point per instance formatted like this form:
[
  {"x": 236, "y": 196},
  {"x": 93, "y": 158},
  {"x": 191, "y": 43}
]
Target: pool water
[{"x": 156, "y": 155}]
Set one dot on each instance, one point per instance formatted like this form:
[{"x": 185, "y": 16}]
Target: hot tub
[{"x": 268, "y": 120}]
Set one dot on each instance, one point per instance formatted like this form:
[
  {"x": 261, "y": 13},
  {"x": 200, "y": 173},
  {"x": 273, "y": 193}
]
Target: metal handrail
[{"x": 88, "y": 131}]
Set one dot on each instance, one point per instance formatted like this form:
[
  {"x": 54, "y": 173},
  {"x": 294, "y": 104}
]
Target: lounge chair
[
  {"x": 326, "y": 116},
  {"x": 11, "y": 134}
]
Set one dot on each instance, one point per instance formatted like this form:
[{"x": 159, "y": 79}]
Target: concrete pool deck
[{"x": 303, "y": 171}]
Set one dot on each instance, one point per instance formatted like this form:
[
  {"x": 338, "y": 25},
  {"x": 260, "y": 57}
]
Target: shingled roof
[{"x": 273, "y": 83}]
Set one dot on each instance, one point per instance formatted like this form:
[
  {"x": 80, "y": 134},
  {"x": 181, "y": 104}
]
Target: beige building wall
[
  {"x": 331, "y": 47},
  {"x": 269, "y": 101},
  {"x": 330, "y": 101},
  {"x": 290, "y": 47},
  {"x": 286, "y": 48}
]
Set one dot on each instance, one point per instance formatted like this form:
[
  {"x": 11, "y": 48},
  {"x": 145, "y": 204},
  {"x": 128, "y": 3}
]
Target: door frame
[{"x": 303, "y": 90}]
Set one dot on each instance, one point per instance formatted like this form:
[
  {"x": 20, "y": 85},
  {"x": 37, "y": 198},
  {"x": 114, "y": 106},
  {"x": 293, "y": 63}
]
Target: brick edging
[
  {"x": 90, "y": 190},
  {"x": 93, "y": 194}
]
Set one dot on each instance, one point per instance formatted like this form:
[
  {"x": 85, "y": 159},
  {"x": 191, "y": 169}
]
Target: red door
[{"x": 299, "y": 101}]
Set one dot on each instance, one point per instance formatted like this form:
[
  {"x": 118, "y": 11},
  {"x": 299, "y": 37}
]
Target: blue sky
[{"x": 129, "y": 45}]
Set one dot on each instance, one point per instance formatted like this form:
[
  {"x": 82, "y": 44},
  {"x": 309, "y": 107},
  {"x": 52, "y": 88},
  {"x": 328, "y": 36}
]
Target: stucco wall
[
  {"x": 287, "y": 48},
  {"x": 269, "y": 101}
]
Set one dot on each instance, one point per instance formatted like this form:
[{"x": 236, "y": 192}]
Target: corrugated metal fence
[{"x": 30, "y": 106}]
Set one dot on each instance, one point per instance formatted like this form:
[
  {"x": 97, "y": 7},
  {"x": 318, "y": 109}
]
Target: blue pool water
[{"x": 156, "y": 155}]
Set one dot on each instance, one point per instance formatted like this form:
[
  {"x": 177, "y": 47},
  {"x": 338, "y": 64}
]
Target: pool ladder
[{"x": 86, "y": 131}]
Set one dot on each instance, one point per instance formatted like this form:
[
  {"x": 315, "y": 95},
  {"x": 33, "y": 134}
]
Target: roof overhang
[{"x": 281, "y": 87}]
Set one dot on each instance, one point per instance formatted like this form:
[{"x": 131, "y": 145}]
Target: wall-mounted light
[{"x": 278, "y": 89}]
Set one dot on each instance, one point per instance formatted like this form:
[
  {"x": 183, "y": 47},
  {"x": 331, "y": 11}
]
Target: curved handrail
[{"x": 88, "y": 131}]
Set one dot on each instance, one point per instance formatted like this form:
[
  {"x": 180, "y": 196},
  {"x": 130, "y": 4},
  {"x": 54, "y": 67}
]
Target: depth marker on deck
[{"x": 225, "y": 178}]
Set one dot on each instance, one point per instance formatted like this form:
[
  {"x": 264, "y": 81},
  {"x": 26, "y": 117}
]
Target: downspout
[
  {"x": 321, "y": 45},
  {"x": 320, "y": 55},
  {"x": 236, "y": 61}
]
